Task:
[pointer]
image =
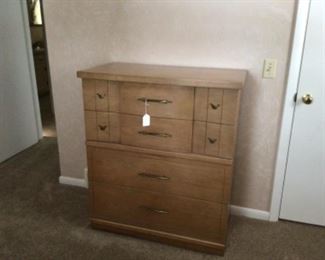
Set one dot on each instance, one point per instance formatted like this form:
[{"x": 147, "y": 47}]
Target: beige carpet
[{"x": 41, "y": 219}]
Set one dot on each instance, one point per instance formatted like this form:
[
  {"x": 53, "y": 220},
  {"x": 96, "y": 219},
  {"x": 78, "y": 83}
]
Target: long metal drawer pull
[
  {"x": 214, "y": 107},
  {"x": 161, "y": 101},
  {"x": 159, "y": 211},
  {"x": 155, "y": 134},
  {"x": 154, "y": 176}
]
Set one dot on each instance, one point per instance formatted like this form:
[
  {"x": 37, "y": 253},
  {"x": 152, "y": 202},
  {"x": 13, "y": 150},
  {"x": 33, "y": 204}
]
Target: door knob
[{"x": 307, "y": 99}]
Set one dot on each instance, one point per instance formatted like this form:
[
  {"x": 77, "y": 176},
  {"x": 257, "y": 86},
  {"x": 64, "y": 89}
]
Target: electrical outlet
[{"x": 269, "y": 69}]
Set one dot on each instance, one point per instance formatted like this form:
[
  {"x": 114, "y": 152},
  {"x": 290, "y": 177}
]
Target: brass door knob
[{"x": 307, "y": 99}]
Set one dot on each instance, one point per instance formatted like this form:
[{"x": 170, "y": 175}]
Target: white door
[
  {"x": 19, "y": 112},
  {"x": 303, "y": 198}
]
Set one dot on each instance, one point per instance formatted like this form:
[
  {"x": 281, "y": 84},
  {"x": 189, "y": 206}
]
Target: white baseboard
[
  {"x": 249, "y": 212},
  {"x": 86, "y": 176},
  {"x": 73, "y": 181}
]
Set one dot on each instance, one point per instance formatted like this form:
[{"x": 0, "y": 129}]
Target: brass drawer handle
[
  {"x": 214, "y": 107},
  {"x": 102, "y": 127},
  {"x": 154, "y": 134},
  {"x": 100, "y": 95},
  {"x": 159, "y": 211},
  {"x": 161, "y": 101},
  {"x": 212, "y": 140},
  {"x": 154, "y": 176}
]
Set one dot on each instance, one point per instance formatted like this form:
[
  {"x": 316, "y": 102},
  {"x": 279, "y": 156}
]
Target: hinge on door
[{"x": 295, "y": 97}]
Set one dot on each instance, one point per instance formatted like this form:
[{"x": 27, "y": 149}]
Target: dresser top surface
[{"x": 171, "y": 75}]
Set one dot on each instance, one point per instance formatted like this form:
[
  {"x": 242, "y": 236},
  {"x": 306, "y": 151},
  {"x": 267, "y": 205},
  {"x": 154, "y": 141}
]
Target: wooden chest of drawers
[{"x": 170, "y": 181}]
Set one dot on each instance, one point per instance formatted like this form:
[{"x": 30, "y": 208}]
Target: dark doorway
[{"x": 38, "y": 37}]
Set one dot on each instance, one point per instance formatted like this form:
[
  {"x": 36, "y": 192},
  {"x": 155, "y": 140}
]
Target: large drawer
[
  {"x": 182, "y": 216},
  {"x": 163, "y": 134},
  {"x": 175, "y": 176},
  {"x": 125, "y": 97},
  {"x": 163, "y": 101}
]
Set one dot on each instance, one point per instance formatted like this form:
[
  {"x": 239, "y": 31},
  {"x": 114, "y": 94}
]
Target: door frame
[{"x": 289, "y": 107}]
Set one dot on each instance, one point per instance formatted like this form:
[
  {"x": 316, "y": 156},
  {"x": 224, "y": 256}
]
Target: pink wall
[{"x": 232, "y": 34}]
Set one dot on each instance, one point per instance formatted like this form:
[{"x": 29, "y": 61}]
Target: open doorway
[{"x": 38, "y": 38}]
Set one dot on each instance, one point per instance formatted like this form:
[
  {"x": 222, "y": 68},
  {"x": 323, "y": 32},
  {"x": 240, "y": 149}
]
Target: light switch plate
[{"x": 269, "y": 69}]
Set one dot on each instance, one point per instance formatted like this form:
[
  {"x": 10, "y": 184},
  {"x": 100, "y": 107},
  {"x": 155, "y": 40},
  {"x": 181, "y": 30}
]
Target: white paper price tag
[
  {"x": 145, "y": 120},
  {"x": 146, "y": 117}
]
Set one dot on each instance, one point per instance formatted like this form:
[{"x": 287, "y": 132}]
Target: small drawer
[
  {"x": 95, "y": 95},
  {"x": 163, "y": 101},
  {"x": 163, "y": 134},
  {"x": 213, "y": 139},
  {"x": 216, "y": 105},
  {"x": 173, "y": 176},
  {"x": 102, "y": 126},
  {"x": 155, "y": 211}
]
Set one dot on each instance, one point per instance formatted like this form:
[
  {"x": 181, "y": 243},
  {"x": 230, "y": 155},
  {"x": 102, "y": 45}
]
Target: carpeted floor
[{"x": 41, "y": 219}]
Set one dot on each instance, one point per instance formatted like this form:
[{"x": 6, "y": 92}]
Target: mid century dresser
[{"x": 169, "y": 181}]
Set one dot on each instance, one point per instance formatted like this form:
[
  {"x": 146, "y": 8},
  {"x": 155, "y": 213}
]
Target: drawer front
[
  {"x": 198, "y": 180},
  {"x": 214, "y": 139},
  {"x": 163, "y": 134},
  {"x": 182, "y": 216},
  {"x": 102, "y": 126},
  {"x": 163, "y": 101},
  {"x": 95, "y": 95},
  {"x": 216, "y": 106}
]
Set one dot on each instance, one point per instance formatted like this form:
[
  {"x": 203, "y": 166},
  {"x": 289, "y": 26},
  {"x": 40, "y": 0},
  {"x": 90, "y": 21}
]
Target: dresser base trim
[{"x": 158, "y": 236}]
